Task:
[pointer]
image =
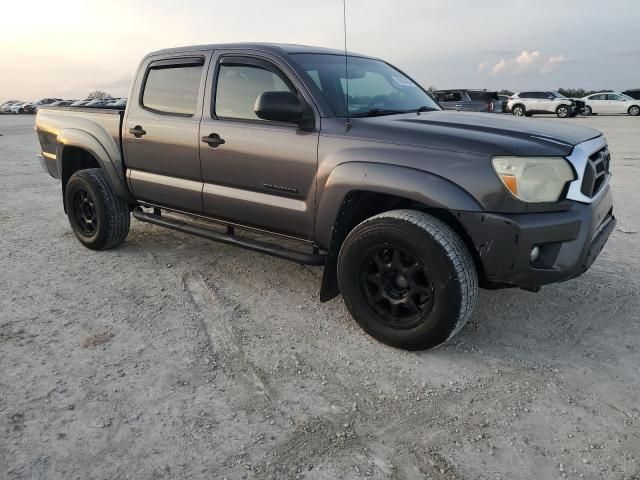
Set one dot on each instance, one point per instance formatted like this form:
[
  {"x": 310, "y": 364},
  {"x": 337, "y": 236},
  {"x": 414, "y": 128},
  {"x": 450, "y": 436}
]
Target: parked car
[
  {"x": 408, "y": 207},
  {"x": 610, "y": 103},
  {"x": 62, "y": 103},
  {"x": 97, "y": 102},
  {"x": 21, "y": 107},
  {"x": 469, "y": 100},
  {"x": 530, "y": 103},
  {"x": 117, "y": 102},
  {"x": 6, "y": 106},
  {"x": 79, "y": 103},
  {"x": 634, "y": 93}
]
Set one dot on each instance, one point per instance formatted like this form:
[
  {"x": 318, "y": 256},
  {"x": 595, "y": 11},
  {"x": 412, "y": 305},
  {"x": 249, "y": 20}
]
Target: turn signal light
[{"x": 511, "y": 182}]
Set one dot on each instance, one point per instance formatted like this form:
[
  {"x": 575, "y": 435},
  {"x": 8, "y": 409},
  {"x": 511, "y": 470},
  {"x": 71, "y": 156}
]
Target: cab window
[
  {"x": 239, "y": 86},
  {"x": 172, "y": 89}
]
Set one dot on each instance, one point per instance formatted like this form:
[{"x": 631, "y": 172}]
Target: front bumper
[{"x": 569, "y": 242}]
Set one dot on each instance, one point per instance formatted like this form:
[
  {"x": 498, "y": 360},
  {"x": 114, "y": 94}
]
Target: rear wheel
[
  {"x": 563, "y": 111},
  {"x": 407, "y": 278},
  {"x": 634, "y": 110},
  {"x": 99, "y": 219},
  {"x": 519, "y": 110}
]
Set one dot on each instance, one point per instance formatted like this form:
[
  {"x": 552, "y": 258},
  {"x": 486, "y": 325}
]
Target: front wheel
[
  {"x": 518, "y": 110},
  {"x": 97, "y": 216},
  {"x": 407, "y": 278},
  {"x": 563, "y": 111},
  {"x": 634, "y": 110},
  {"x": 586, "y": 111}
]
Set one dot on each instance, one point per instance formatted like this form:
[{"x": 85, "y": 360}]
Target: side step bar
[{"x": 317, "y": 259}]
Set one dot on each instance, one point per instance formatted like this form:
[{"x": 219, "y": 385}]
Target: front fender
[
  {"x": 107, "y": 155},
  {"x": 422, "y": 187}
]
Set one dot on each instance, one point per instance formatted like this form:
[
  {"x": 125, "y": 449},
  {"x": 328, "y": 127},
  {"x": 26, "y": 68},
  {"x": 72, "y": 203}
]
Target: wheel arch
[
  {"x": 77, "y": 150},
  {"x": 357, "y": 191}
]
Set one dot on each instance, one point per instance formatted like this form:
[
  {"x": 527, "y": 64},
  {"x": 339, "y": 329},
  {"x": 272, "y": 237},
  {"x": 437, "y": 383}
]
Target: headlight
[{"x": 534, "y": 179}]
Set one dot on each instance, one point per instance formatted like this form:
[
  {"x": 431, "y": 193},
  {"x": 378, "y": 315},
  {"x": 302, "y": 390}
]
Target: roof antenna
[{"x": 346, "y": 59}]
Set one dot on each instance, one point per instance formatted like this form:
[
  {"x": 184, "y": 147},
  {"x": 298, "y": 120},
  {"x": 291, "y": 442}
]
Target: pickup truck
[
  {"x": 409, "y": 208},
  {"x": 469, "y": 100}
]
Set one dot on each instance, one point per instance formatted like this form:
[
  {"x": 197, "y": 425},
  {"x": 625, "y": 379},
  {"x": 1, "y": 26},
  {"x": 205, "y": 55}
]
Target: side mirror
[{"x": 279, "y": 107}]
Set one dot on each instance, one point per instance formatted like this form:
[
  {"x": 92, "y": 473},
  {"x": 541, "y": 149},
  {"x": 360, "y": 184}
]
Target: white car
[
  {"x": 19, "y": 107},
  {"x": 610, "y": 103},
  {"x": 530, "y": 103}
]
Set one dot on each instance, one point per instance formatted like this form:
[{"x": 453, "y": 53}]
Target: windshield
[
  {"x": 557, "y": 95},
  {"x": 375, "y": 88},
  {"x": 625, "y": 96}
]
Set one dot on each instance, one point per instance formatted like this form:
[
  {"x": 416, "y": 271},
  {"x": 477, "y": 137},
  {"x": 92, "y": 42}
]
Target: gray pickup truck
[
  {"x": 469, "y": 100},
  {"x": 409, "y": 208}
]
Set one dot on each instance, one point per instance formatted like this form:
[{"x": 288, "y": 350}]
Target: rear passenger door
[
  {"x": 260, "y": 173},
  {"x": 160, "y": 132}
]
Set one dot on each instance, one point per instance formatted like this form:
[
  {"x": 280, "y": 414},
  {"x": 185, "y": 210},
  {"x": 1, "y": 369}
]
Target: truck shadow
[{"x": 578, "y": 319}]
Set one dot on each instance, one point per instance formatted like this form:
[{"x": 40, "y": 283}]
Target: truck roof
[{"x": 276, "y": 48}]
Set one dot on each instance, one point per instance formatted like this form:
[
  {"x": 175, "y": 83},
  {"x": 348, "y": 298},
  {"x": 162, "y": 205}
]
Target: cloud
[
  {"x": 499, "y": 67},
  {"x": 526, "y": 62},
  {"x": 551, "y": 64}
]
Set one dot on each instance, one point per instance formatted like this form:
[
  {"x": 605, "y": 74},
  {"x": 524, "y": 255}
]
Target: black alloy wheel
[
  {"x": 84, "y": 212},
  {"x": 396, "y": 285}
]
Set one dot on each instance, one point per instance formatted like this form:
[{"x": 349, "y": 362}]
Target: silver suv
[{"x": 529, "y": 103}]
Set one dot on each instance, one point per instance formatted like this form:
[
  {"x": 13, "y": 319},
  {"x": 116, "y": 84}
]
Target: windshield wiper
[
  {"x": 424, "y": 108},
  {"x": 377, "y": 112}
]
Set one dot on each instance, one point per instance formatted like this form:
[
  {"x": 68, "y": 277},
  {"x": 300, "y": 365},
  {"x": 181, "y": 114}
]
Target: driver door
[{"x": 259, "y": 173}]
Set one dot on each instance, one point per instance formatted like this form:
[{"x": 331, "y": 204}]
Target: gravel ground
[{"x": 174, "y": 357}]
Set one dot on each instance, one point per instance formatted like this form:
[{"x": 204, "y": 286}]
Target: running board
[{"x": 317, "y": 259}]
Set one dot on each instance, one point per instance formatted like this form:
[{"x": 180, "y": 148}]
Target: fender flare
[
  {"x": 422, "y": 187},
  {"x": 108, "y": 157}
]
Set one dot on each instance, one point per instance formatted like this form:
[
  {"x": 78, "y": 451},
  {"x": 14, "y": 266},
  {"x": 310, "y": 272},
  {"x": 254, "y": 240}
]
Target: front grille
[{"x": 596, "y": 172}]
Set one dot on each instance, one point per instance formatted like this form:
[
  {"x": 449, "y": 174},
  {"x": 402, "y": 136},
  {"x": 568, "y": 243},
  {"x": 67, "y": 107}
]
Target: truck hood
[{"x": 478, "y": 133}]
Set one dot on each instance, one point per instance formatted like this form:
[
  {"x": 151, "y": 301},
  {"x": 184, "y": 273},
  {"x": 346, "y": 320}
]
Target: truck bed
[{"x": 104, "y": 124}]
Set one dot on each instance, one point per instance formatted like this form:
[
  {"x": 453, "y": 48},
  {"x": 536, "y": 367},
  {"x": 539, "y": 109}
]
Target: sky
[{"x": 68, "y": 48}]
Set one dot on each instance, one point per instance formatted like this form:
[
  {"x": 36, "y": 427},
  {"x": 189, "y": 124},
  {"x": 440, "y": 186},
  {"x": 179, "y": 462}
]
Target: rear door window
[{"x": 172, "y": 89}]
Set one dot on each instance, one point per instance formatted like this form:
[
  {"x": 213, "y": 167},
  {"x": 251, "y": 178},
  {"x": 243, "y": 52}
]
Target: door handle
[
  {"x": 213, "y": 140},
  {"x": 137, "y": 131}
]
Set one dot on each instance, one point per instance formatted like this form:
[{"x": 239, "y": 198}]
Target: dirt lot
[{"x": 173, "y": 357}]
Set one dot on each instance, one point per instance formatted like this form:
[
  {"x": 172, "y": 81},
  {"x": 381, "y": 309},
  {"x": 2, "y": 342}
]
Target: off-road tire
[
  {"x": 450, "y": 267},
  {"x": 110, "y": 220},
  {"x": 634, "y": 110},
  {"x": 519, "y": 110},
  {"x": 563, "y": 111}
]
